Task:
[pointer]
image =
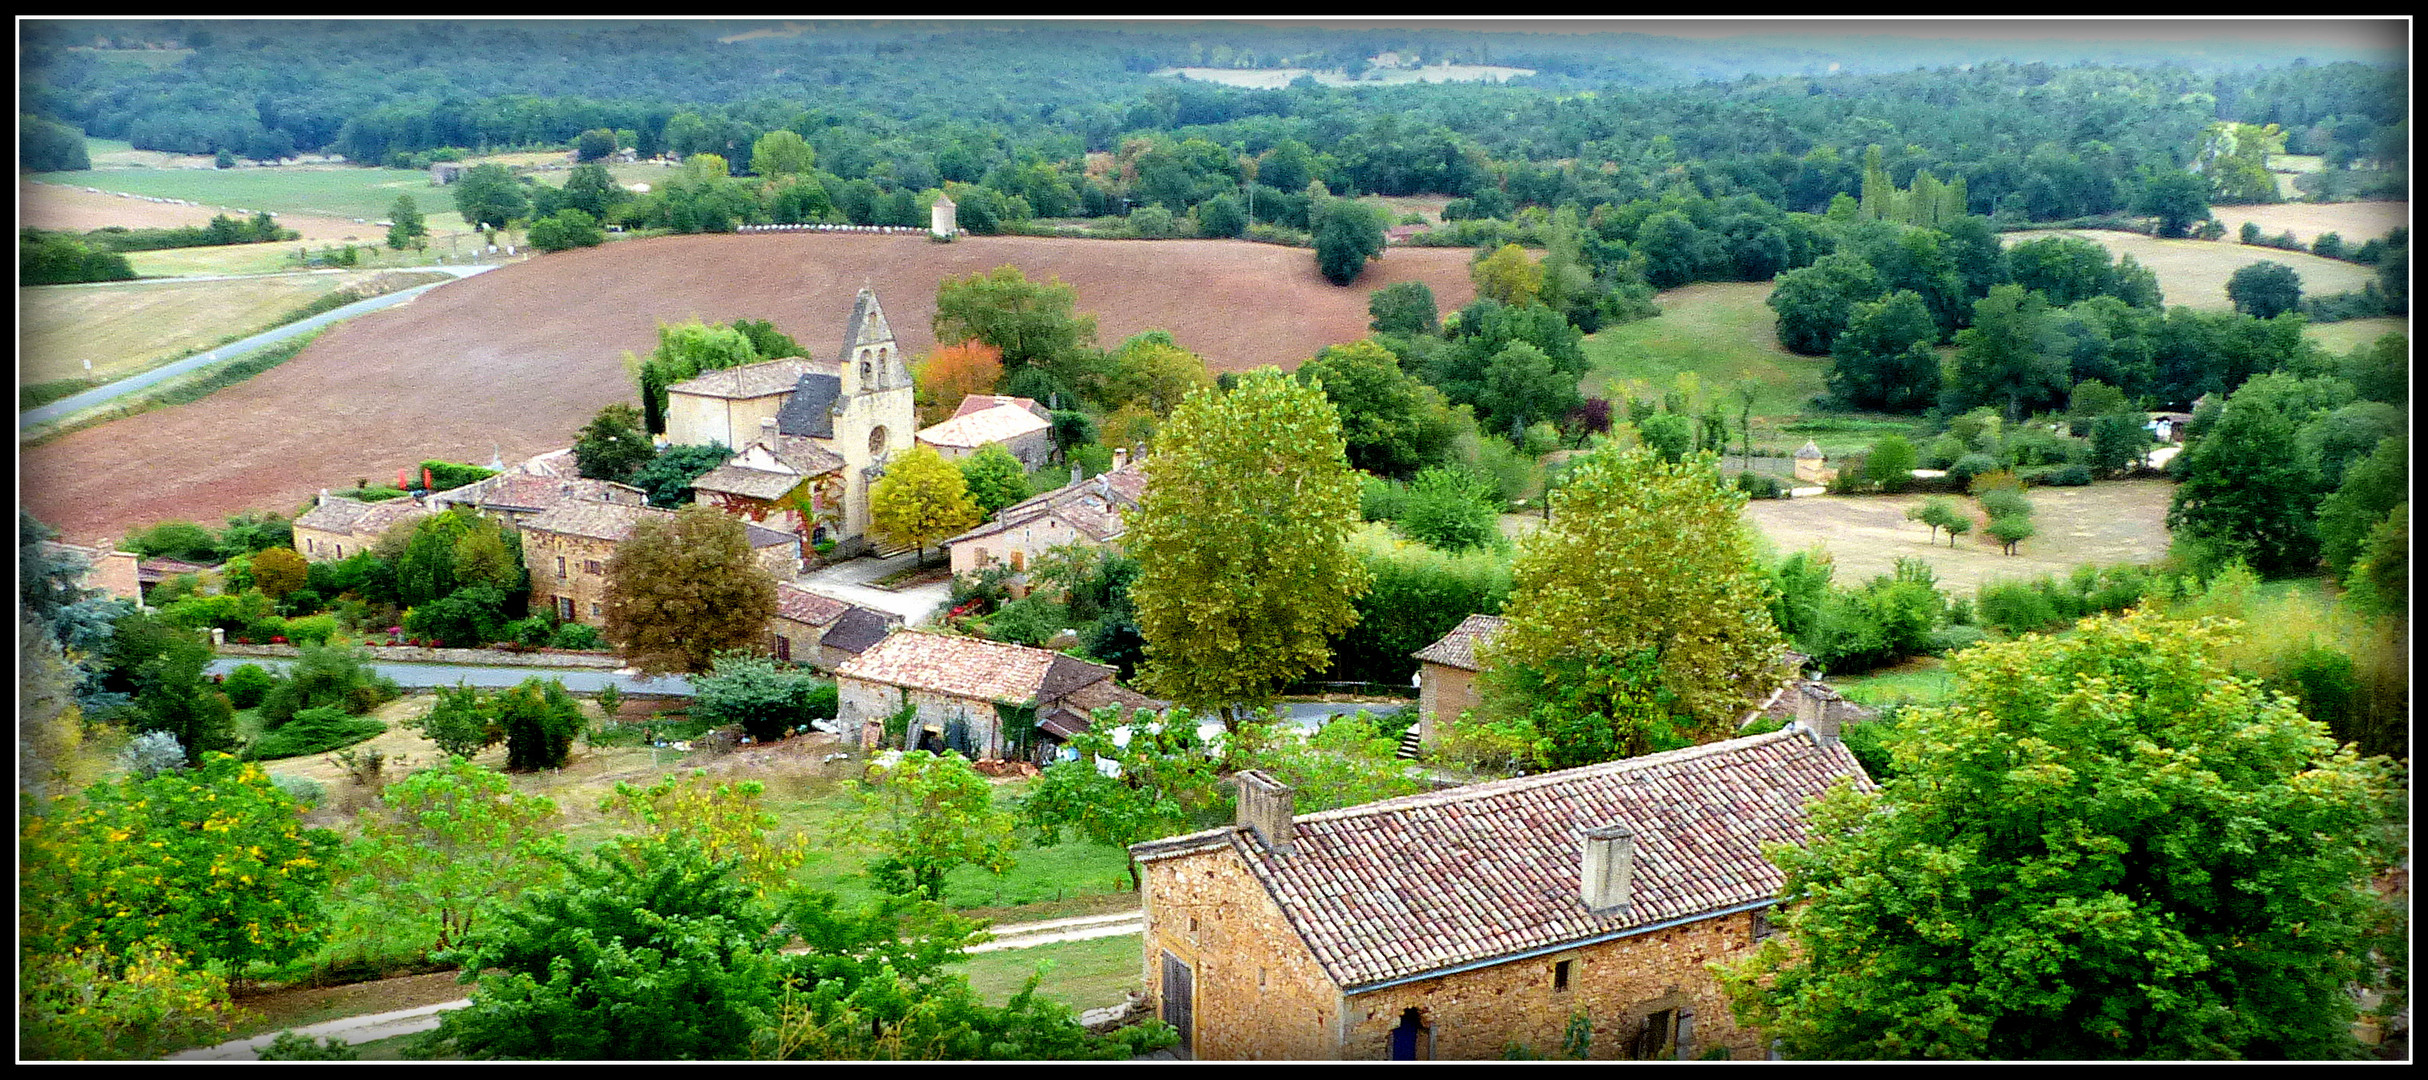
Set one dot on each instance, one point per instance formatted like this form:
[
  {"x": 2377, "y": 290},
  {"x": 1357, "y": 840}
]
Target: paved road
[
  {"x": 79, "y": 402},
  {"x": 578, "y": 680},
  {"x": 848, "y": 582},
  {"x": 376, "y": 1026}
]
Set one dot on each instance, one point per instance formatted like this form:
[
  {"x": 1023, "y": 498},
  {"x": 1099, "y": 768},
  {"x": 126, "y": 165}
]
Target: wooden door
[{"x": 1179, "y": 999}]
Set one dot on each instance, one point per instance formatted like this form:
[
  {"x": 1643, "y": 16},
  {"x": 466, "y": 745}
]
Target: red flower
[{"x": 278, "y": 640}]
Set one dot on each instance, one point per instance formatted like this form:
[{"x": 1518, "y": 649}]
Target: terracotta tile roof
[
  {"x": 1076, "y": 712},
  {"x": 597, "y": 520},
  {"x": 1457, "y": 648},
  {"x": 749, "y": 380},
  {"x": 763, "y": 537},
  {"x": 1001, "y": 423},
  {"x": 524, "y": 491},
  {"x": 1092, "y": 507},
  {"x": 805, "y": 607},
  {"x": 335, "y": 513},
  {"x": 745, "y": 481},
  {"x": 1404, "y": 887},
  {"x": 973, "y": 403},
  {"x": 964, "y": 667}
]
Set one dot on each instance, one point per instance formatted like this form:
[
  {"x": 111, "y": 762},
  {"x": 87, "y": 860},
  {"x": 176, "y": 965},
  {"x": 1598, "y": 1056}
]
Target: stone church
[{"x": 811, "y": 435}]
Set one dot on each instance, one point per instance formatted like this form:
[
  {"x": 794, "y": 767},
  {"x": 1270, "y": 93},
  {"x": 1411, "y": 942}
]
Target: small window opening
[{"x": 1560, "y": 973}]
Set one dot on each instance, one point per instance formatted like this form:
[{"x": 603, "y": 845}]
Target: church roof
[
  {"x": 748, "y": 381},
  {"x": 810, "y": 411},
  {"x": 867, "y": 325}
]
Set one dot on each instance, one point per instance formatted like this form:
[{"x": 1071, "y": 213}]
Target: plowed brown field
[{"x": 521, "y": 357}]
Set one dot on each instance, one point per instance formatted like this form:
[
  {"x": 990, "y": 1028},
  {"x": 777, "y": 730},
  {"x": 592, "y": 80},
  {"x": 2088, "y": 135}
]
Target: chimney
[
  {"x": 1075, "y": 476},
  {"x": 1610, "y": 868},
  {"x": 1265, "y": 805},
  {"x": 324, "y": 497},
  {"x": 1813, "y": 712},
  {"x": 1121, "y": 458}
]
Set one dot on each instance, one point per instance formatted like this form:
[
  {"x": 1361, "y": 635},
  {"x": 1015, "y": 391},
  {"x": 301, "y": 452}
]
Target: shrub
[
  {"x": 2017, "y": 608},
  {"x": 533, "y": 632},
  {"x": 577, "y": 636},
  {"x": 248, "y": 684},
  {"x": 539, "y": 720},
  {"x": 2011, "y": 530},
  {"x": 313, "y": 731},
  {"x": 289, "y": 1046},
  {"x": 1382, "y": 500},
  {"x": 1761, "y": 485},
  {"x": 2001, "y": 502},
  {"x": 311, "y": 630},
  {"x": 1965, "y": 468},
  {"x": 2059, "y": 476},
  {"x": 458, "y": 723},
  {"x": 303, "y": 789},
  {"x": 152, "y": 753}
]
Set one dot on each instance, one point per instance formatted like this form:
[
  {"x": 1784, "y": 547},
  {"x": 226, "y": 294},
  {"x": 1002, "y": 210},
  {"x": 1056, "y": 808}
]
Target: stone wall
[
  {"x": 1259, "y": 993},
  {"x": 544, "y": 553},
  {"x": 411, "y": 654},
  {"x": 1442, "y": 695},
  {"x": 862, "y": 702}
]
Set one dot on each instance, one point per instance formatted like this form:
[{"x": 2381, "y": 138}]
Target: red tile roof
[
  {"x": 1457, "y": 648},
  {"x": 1410, "y": 886}
]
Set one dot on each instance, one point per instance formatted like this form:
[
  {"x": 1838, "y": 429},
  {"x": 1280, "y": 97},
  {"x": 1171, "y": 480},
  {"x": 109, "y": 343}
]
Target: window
[
  {"x": 593, "y": 566},
  {"x": 1561, "y": 973},
  {"x": 564, "y": 609},
  {"x": 1763, "y": 927},
  {"x": 560, "y": 567},
  {"x": 595, "y": 610},
  {"x": 783, "y": 647}
]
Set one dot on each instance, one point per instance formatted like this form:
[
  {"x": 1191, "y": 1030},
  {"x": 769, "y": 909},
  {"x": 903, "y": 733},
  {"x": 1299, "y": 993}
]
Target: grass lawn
[
  {"x": 339, "y": 191},
  {"x": 1084, "y": 975},
  {"x": 2343, "y": 337},
  {"x": 126, "y": 328},
  {"x": 1920, "y": 681}
]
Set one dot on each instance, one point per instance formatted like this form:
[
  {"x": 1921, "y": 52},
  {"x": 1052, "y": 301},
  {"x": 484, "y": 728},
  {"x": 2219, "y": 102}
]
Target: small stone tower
[
  {"x": 943, "y": 219},
  {"x": 1811, "y": 466},
  {"x": 873, "y": 417}
]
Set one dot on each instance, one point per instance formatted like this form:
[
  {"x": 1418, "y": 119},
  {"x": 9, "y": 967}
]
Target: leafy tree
[
  {"x": 1524, "y": 385},
  {"x": 613, "y": 446},
  {"x": 459, "y": 723},
  {"x": 2265, "y": 290},
  {"x": 2119, "y": 441},
  {"x": 2063, "y": 269},
  {"x": 446, "y": 845},
  {"x": 594, "y": 144},
  {"x": 1890, "y": 464},
  {"x": 2050, "y": 875},
  {"x": 49, "y": 146},
  {"x": 326, "y": 676},
  {"x": 1152, "y": 371},
  {"x": 1347, "y": 233},
  {"x": 782, "y": 153},
  {"x": 566, "y": 229},
  {"x": 2178, "y": 199},
  {"x": 684, "y": 351},
  {"x": 488, "y": 197},
  {"x": 765, "y": 698},
  {"x": 730, "y": 822},
  {"x": 1668, "y": 436},
  {"x": 1029, "y": 323},
  {"x": 1164, "y": 782},
  {"x": 90, "y": 1005},
  {"x": 1452, "y": 509},
  {"x": 1392, "y": 423},
  {"x": 539, "y": 720},
  {"x": 213, "y": 864},
  {"x": 650, "y": 951},
  {"x": 925, "y": 815},
  {"x": 173, "y": 695},
  {"x": 1884, "y": 360},
  {"x": 668, "y": 476},
  {"x": 1816, "y": 303},
  {"x": 954, "y": 372},
  {"x": 279, "y": 571},
  {"x": 1404, "y": 307},
  {"x": 682, "y": 590},
  {"x": 921, "y": 499},
  {"x": 47, "y": 582},
  {"x": 1508, "y": 275},
  {"x": 1347, "y": 763},
  {"x": 2007, "y": 357},
  {"x": 2371, "y": 489},
  {"x": 592, "y": 190},
  {"x": 406, "y": 227},
  {"x": 1642, "y": 554},
  {"x": 995, "y": 479},
  {"x": 2243, "y": 493},
  {"x": 1243, "y": 573},
  {"x": 2010, "y": 530}
]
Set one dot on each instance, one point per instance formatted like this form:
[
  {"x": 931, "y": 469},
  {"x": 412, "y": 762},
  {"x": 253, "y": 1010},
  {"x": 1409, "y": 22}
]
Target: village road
[
  {"x": 577, "y": 680},
  {"x": 79, "y": 402},
  {"x": 849, "y": 582}
]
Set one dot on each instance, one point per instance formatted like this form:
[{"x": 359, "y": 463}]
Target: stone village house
[
  {"x": 1452, "y": 924},
  {"x": 987, "y": 699},
  {"x": 339, "y": 528},
  {"x": 566, "y": 548},
  {"x": 1087, "y": 512},
  {"x": 1023, "y": 428},
  {"x": 821, "y": 631}
]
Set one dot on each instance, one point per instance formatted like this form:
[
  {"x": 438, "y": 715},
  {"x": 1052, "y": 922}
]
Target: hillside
[{"x": 519, "y": 358}]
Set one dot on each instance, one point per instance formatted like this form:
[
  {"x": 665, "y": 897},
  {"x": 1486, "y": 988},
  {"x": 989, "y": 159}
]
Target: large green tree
[
  {"x": 1033, "y": 323},
  {"x": 921, "y": 499},
  {"x": 2009, "y": 357},
  {"x": 682, "y": 590},
  {"x": 1641, "y": 556},
  {"x": 924, "y": 815},
  {"x": 1347, "y": 233},
  {"x": 406, "y": 228},
  {"x": 488, "y": 196},
  {"x": 685, "y": 350},
  {"x": 613, "y": 445},
  {"x": 2245, "y": 492},
  {"x": 2108, "y": 847},
  {"x": 445, "y": 845},
  {"x": 1884, "y": 359},
  {"x": 1392, "y": 422},
  {"x": 2265, "y": 290},
  {"x": 1244, "y": 573},
  {"x": 1164, "y": 782}
]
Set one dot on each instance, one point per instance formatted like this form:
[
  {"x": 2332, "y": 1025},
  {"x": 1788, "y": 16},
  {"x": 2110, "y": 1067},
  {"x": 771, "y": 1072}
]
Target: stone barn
[{"x": 1454, "y": 924}]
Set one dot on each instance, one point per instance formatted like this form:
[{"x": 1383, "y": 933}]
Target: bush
[
  {"x": 326, "y": 676},
  {"x": 1965, "y": 468},
  {"x": 314, "y": 731},
  {"x": 303, "y": 789},
  {"x": 2018, "y": 608},
  {"x": 2002, "y": 502},
  {"x": 2059, "y": 476},
  {"x": 540, "y": 721},
  {"x": 152, "y": 753},
  {"x": 1761, "y": 485},
  {"x": 458, "y": 723},
  {"x": 579, "y": 637},
  {"x": 289, "y": 1046},
  {"x": 248, "y": 684},
  {"x": 765, "y": 698},
  {"x": 1382, "y": 500},
  {"x": 311, "y": 630}
]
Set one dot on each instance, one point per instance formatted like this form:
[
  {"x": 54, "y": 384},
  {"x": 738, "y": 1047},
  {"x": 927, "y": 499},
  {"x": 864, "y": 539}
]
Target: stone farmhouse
[
  {"x": 338, "y": 527},
  {"x": 854, "y": 411},
  {"x": 1451, "y": 924},
  {"x": 1023, "y": 428},
  {"x": 519, "y": 496},
  {"x": 566, "y": 549},
  {"x": 821, "y": 631},
  {"x": 1445, "y": 675},
  {"x": 1086, "y": 512},
  {"x": 117, "y": 574},
  {"x": 987, "y": 699}
]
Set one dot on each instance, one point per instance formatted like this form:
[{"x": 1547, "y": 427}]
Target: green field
[
  {"x": 339, "y": 191},
  {"x": 126, "y": 328},
  {"x": 1724, "y": 332},
  {"x": 1084, "y": 975},
  {"x": 2343, "y": 337}
]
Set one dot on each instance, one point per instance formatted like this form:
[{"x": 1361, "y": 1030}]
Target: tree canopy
[
  {"x": 921, "y": 499},
  {"x": 681, "y": 590},
  {"x": 1244, "y": 573},
  {"x": 2108, "y": 847}
]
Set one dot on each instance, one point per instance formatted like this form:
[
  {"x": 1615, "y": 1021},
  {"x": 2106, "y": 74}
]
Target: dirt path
[{"x": 516, "y": 360}]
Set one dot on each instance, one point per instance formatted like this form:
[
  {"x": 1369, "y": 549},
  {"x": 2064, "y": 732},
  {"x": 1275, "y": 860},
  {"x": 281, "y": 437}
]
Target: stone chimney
[
  {"x": 324, "y": 497},
  {"x": 1813, "y": 712},
  {"x": 1076, "y": 476},
  {"x": 1608, "y": 884},
  {"x": 1121, "y": 458},
  {"x": 1266, "y": 805}
]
